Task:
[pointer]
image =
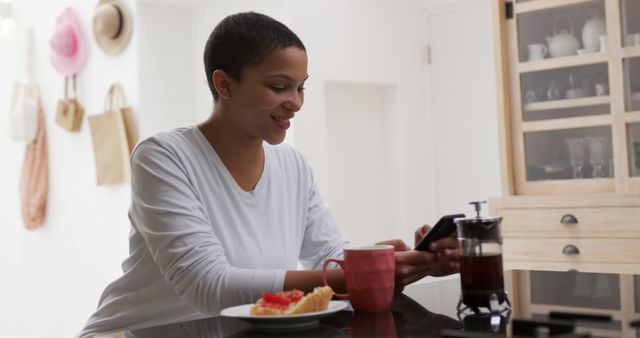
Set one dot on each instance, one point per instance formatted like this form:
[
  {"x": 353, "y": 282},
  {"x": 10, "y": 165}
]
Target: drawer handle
[
  {"x": 570, "y": 250},
  {"x": 569, "y": 219}
]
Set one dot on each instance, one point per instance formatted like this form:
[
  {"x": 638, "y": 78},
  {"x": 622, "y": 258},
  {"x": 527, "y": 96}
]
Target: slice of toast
[
  {"x": 318, "y": 300},
  {"x": 260, "y": 308}
]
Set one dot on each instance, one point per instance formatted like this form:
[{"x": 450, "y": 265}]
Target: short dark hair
[{"x": 244, "y": 39}]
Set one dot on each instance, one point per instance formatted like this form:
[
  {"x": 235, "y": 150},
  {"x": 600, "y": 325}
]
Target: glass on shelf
[
  {"x": 630, "y": 23},
  {"x": 632, "y": 83},
  {"x": 566, "y": 92},
  {"x": 574, "y": 29},
  {"x": 577, "y": 150},
  {"x": 633, "y": 132},
  {"x": 595, "y": 146},
  {"x": 579, "y": 153},
  {"x": 582, "y": 146}
]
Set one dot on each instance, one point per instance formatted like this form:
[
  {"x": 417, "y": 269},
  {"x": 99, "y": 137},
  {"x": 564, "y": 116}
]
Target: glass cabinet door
[
  {"x": 633, "y": 144},
  {"x": 632, "y": 83},
  {"x": 630, "y": 23},
  {"x": 568, "y": 154},
  {"x": 561, "y": 31},
  {"x": 632, "y": 107},
  {"x": 576, "y": 289},
  {"x": 566, "y": 92},
  {"x": 636, "y": 292},
  {"x": 563, "y": 84},
  {"x": 574, "y": 82}
]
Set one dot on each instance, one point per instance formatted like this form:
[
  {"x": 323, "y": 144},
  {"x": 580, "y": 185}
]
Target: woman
[{"x": 224, "y": 210}]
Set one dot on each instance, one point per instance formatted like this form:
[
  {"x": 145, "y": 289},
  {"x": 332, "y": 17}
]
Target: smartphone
[{"x": 444, "y": 228}]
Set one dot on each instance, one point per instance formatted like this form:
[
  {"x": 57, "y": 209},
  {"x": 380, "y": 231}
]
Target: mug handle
[
  {"x": 340, "y": 262},
  {"x": 544, "y": 51}
]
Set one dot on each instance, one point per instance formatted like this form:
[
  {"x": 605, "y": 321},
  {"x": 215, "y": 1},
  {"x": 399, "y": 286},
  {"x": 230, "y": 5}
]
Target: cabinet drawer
[
  {"x": 564, "y": 250},
  {"x": 604, "y": 219}
]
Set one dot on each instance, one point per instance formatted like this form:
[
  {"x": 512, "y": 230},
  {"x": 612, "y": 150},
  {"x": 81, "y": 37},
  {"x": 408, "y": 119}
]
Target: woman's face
[{"x": 269, "y": 94}]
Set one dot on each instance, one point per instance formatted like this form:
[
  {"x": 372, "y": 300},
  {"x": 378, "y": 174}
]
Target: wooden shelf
[
  {"x": 569, "y": 186},
  {"x": 539, "y": 5},
  {"x": 630, "y": 51},
  {"x": 567, "y": 103},
  {"x": 632, "y": 117},
  {"x": 562, "y": 62},
  {"x": 567, "y": 123}
]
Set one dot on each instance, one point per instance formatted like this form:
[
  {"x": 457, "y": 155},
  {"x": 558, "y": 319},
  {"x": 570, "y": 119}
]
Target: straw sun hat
[{"x": 112, "y": 25}]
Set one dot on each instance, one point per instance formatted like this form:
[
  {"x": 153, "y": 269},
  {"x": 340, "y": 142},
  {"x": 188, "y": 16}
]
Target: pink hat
[{"x": 68, "y": 49}]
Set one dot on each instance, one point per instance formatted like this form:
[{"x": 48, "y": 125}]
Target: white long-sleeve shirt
[{"x": 199, "y": 243}]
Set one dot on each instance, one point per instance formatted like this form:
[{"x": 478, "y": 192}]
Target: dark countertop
[{"x": 599, "y": 303}]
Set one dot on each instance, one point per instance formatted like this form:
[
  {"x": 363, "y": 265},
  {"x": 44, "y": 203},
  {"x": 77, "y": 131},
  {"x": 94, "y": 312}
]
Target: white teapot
[
  {"x": 591, "y": 32},
  {"x": 563, "y": 43}
]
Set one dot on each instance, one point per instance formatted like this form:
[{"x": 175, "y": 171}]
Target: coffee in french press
[{"x": 481, "y": 273}]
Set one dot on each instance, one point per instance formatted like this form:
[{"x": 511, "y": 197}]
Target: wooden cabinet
[
  {"x": 615, "y": 295},
  {"x": 584, "y": 232},
  {"x": 569, "y": 111}
]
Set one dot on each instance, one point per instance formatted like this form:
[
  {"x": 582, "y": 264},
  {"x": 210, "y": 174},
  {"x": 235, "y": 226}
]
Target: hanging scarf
[{"x": 34, "y": 180}]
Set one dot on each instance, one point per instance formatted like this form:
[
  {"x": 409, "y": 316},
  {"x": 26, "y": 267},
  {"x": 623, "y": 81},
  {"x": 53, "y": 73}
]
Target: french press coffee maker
[{"x": 481, "y": 274}]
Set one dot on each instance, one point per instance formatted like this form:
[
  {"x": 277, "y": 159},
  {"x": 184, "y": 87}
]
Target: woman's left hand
[
  {"x": 412, "y": 265},
  {"x": 447, "y": 260}
]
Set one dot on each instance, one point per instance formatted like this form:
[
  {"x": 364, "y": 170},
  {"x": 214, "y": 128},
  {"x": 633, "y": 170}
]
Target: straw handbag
[
  {"x": 113, "y": 135},
  {"x": 70, "y": 111}
]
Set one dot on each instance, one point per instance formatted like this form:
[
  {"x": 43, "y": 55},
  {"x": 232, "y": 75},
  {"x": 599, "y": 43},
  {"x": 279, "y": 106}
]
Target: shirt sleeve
[
  {"x": 169, "y": 215},
  {"x": 322, "y": 238}
]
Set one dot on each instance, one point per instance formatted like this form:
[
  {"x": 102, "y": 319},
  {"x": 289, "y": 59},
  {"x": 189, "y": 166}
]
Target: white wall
[
  {"x": 360, "y": 143},
  {"x": 164, "y": 64},
  {"x": 463, "y": 106},
  {"x": 370, "y": 42}
]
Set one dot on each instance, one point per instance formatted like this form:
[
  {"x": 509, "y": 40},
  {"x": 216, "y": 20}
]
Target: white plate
[{"x": 284, "y": 322}]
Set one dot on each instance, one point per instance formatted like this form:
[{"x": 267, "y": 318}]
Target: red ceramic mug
[{"x": 369, "y": 274}]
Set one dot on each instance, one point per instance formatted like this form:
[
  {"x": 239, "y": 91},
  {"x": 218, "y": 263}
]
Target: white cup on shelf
[
  {"x": 603, "y": 43},
  {"x": 537, "y": 51}
]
